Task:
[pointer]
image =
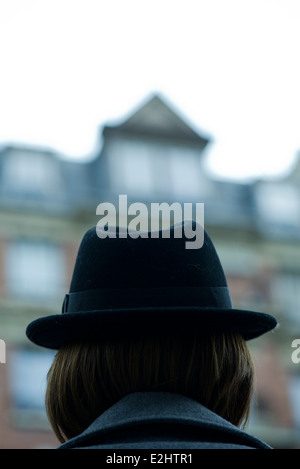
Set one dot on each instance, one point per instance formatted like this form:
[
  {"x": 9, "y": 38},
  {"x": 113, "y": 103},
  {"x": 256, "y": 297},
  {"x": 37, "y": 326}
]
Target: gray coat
[{"x": 159, "y": 420}]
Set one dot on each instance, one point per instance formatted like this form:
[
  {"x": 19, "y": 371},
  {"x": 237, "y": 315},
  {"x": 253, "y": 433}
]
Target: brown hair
[{"x": 86, "y": 379}]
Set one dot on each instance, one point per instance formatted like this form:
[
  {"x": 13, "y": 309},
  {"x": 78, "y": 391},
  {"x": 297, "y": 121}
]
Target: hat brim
[{"x": 57, "y": 330}]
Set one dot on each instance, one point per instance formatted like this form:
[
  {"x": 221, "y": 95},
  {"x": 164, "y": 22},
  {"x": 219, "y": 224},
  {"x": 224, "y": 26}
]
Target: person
[{"x": 150, "y": 351}]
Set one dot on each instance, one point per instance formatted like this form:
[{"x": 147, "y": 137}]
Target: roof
[{"x": 156, "y": 118}]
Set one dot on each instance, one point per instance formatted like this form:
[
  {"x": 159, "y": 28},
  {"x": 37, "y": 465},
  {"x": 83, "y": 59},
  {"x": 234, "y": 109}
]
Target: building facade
[{"x": 46, "y": 205}]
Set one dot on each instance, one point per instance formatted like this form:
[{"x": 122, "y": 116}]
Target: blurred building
[{"x": 46, "y": 205}]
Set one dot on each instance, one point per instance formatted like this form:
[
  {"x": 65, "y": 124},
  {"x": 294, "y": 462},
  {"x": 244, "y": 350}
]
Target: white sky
[{"x": 231, "y": 67}]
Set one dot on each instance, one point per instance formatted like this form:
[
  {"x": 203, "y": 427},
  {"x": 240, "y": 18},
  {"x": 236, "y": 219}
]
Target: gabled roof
[{"x": 156, "y": 118}]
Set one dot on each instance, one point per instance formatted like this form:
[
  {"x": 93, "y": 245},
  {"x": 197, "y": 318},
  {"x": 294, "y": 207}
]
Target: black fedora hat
[{"x": 126, "y": 285}]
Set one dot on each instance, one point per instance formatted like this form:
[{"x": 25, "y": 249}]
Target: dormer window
[
  {"x": 30, "y": 173},
  {"x": 131, "y": 168},
  {"x": 151, "y": 168},
  {"x": 185, "y": 172}
]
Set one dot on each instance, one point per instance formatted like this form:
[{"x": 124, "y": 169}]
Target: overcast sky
[{"x": 231, "y": 67}]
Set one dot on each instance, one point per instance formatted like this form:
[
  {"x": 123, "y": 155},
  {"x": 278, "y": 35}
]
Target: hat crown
[{"x": 145, "y": 262}]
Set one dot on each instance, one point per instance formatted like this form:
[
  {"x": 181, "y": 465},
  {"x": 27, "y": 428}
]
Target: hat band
[{"x": 95, "y": 300}]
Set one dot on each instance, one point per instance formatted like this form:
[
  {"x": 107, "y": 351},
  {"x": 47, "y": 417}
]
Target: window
[
  {"x": 130, "y": 168},
  {"x": 30, "y": 172},
  {"x": 28, "y": 373},
  {"x": 286, "y": 295},
  {"x": 294, "y": 393},
  {"x": 137, "y": 172},
  {"x": 155, "y": 168},
  {"x": 185, "y": 171},
  {"x": 34, "y": 269},
  {"x": 279, "y": 203}
]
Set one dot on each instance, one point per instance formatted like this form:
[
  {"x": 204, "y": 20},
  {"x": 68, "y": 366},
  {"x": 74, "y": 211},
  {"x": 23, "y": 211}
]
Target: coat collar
[{"x": 158, "y": 407}]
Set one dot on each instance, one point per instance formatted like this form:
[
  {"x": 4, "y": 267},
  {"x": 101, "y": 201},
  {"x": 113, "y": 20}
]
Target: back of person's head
[
  {"x": 87, "y": 378},
  {"x": 147, "y": 313}
]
